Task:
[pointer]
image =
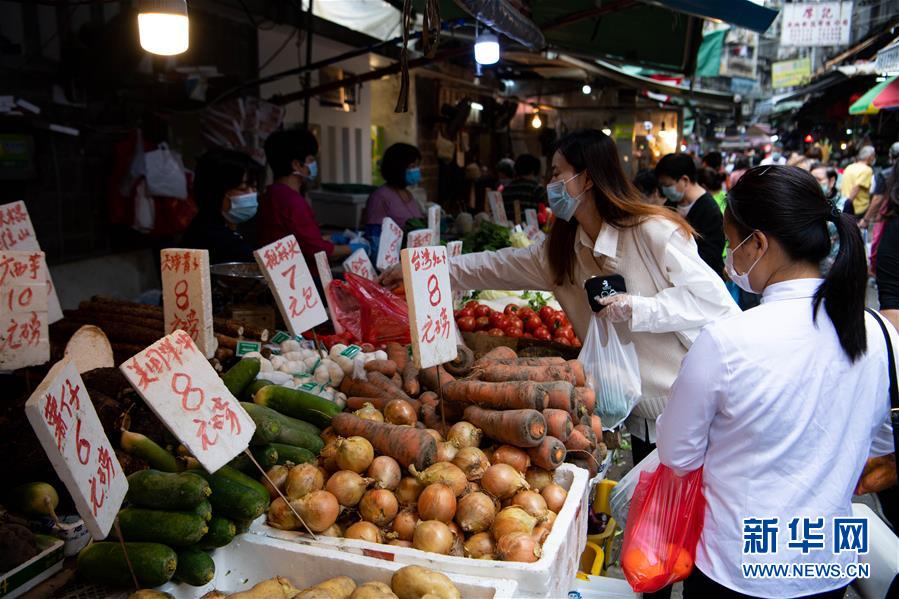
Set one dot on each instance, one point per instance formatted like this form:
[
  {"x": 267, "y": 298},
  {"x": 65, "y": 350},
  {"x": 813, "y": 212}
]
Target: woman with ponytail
[{"x": 782, "y": 404}]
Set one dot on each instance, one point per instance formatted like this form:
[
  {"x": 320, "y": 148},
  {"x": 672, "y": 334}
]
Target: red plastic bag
[
  {"x": 663, "y": 527},
  {"x": 368, "y": 311}
]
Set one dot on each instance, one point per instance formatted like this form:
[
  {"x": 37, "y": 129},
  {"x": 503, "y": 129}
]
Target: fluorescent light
[
  {"x": 843, "y": 146},
  {"x": 486, "y": 49},
  {"x": 163, "y": 26},
  {"x": 848, "y": 131},
  {"x": 586, "y": 89},
  {"x": 774, "y": 138},
  {"x": 477, "y": 106},
  {"x": 607, "y": 131},
  {"x": 536, "y": 123}
]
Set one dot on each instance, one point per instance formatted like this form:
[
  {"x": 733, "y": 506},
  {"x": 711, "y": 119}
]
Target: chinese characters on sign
[
  {"x": 187, "y": 296},
  {"x": 288, "y": 277},
  {"x": 760, "y": 535},
  {"x": 359, "y": 264},
  {"x": 66, "y": 424},
  {"x": 429, "y": 297},
  {"x": 822, "y": 24},
  {"x": 187, "y": 394},
  {"x": 389, "y": 245},
  {"x": 419, "y": 238},
  {"x": 497, "y": 208},
  {"x": 17, "y": 233},
  {"x": 454, "y": 248},
  {"x": 24, "y": 337}
]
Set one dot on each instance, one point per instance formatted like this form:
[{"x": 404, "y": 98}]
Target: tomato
[
  {"x": 496, "y": 333},
  {"x": 561, "y": 339},
  {"x": 565, "y": 330},
  {"x": 553, "y": 322},
  {"x": 546, "y": 312},
  {"x": 514, "y": 322},
  {"x": 525, "y": 312},
  {"x": 472, "y": 305},
  {"x": 466, "y": 323},
  {"x": 527, "y": 336},
  {"x": 482, "y": 323},
  {"x": 498, "y": 320},
  {"x": 576, "y": 343},
  {"x": 466, "y": 311},
  {"x": 532, "y": 323},
  {"x": 542, "y": 333},
  {"x": 514, "y": 332},
  {"x": 482, "y": 310},
  {"x": 510, "y": 309}
]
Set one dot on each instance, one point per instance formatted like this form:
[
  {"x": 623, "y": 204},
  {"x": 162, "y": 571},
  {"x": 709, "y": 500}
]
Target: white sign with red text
[
  {"x": 17, "y": 233},
  {"x": 530, "y": 218},
  {"x": 288, "y": 277},
  {"x": 434, "y": 223},
  {"x": 389, "y": 245},
  {"x": 430, "y": 301},
  {"x": 24, "y": 335},
  {"x": 68, "y": 428},
  {"x": 324, "y": 274},
  {"x": 818, "y": 24},
  {"x": 190, "y": 398},
  {"x": 419, "y": 238},
  {"x": 359, "y": 264},
  {"x": 497, "y": 208},
  {"x": 187, "y": 296},
  {"x": 454, "y": 248}
]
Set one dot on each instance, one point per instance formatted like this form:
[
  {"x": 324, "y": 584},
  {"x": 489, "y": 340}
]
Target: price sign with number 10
[{"x": 430, "y": 300}]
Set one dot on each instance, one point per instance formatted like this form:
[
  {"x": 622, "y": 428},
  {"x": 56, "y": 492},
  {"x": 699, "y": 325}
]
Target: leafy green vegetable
[
  {"x": 488, "y": 237},
  {"x": 536, "y": 300}
]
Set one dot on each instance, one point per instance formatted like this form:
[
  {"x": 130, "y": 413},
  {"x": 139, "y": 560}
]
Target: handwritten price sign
[
  {"x": 429, "y": 297},
  {"x": 530, "y": 217},
  {"x": 187, "y": 296},
  {"x": 359, "y": 264},
  {"x": 497, "y": 208},
  {"x": 288, "y": 277},
  {"x": 389, "y": 246},
  {"x": 454, "y": 248},
  {"x": 24, "y": 338},
  {"x": 324, "y": 274},
  {"x": 17, "y": 233},
  {"x": 66, "y": 424},
  {"x": 434, "y": 223},
  {"x": 184, "y": 391},
  {"x": 420, "y": 238}
]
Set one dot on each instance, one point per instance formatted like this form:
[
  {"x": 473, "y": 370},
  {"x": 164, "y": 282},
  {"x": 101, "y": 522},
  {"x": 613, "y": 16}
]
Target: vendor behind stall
[
  {"x": 525, "y": 187},
  {"x": 225, "y": 191},
  {"x": 400, "y": 169}
]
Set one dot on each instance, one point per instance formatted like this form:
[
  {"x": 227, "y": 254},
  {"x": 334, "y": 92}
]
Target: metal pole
[{"x": 307, "y": 81}]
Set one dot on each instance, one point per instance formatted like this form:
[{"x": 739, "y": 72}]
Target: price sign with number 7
[{"x": 430, "y": 301}]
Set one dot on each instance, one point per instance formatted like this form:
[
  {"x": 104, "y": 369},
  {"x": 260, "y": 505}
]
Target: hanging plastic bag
[
  {"x": 664, "y": 525},
  {"x": 144, "y": 209},
  {"x": 623, "y": 492},
  {"x": 165, "y": 173},
  {"x": 613, "y": 372},
  {"x": 368, "y": 311}
]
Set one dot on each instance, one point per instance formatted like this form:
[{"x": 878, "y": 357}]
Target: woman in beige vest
[{"x": 603, "y": 227}]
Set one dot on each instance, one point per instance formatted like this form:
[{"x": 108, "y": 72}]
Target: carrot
[
  {"x": 498, "y": 353},
  {"x": 385, "y": 367},
  {"x": 580, "y": 378},
  {"x": 559, "y": 395},
  {"x": 588, "y": 434},
  {"x": 596, "y": 425},
  {"x": 585, "y": 419},
  {"x": 384, "y": 383},
  {"x": 577, "y": 441},
  {"x": 430, "y": 416},
  {"x": 521, "y": 428},
  {"x": 397, "y": 380},
  {"x": 558, "y": 423},
  {"x": 584, "y": 459},
  {"x": 428, "y": 398},
  {"x": 534, "y": 361},
  {"x": 500, "y": 396},
  {"x": 587, "y": 397},
  {"x": 493, "y": 372},
  {"x": 398, "y": 354},
  {"x": 549, "y": 455},
  {"x": 359, "y": 388},
  {"x": 406, "y": 444},
  {"x": 463, "y": 363},
  {"x": 410, "y": 379},
  {"x": 428, "y": 377},
  {"x": 356, "y": 403}
]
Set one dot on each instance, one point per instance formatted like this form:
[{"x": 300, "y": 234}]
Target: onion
[
  {"x": 302, "y": 480},
  {"x": 434, "y": 536},
  {"x": 475, "y": 512},
  {"x": 328, "y": 434},
  {"x": 319, "y": 510},
  {"x": 480, "y": 546},
  {"x": 347, "y": 486},
  {"x": 280, "y": 516},
  {"x": 538, "y": 478},
  {"x": 458, "y": 547},
  {"x": 400, "y": 411},
  {"x": 278, "y": 475},
  {"x": 354, "y": 453},
  {"x": 518, "y": 547},
  {"x": 513, "y": 456},
  {"x": 437, "y": 502},
  {"x": 512, "y": 519},
  {"x": 549, "y": 519},
  {"x": 408, "y": 490},
  {"x": 378, "y": 506},
  {"x": 386, "y": 472},
  {"x": 364, "y": 531},
  {"x": 369, "y": 412},
  {"x": 404, "y": 524},
  {"x": 327, "y": 456},
  {"x": 554, "y": 496},
  {"x": 444, "y": 473},
  {"x": 531, "y": 502},
  {"x": 335, "y": 530},
  {"x": 436, "y": 434},
  {"x": 446, "y": 451},
  {"x": 400, "y": 543},
  {"x": 472, "y": 462},
  {"x": 464, "y": 434},
  {"x": 540, "y": 532},
  {"x": 471, "y": 487},
  {"x": 503, "y": 481}
]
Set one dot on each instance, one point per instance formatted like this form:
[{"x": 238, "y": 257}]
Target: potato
[
  {"x": 341, "y": 587},
  {"x": 273, "y": 588},
  {"x": 373, "y": 590},
  {"x": 414, "y": 582},
  {"x": 315, "y": 593}
]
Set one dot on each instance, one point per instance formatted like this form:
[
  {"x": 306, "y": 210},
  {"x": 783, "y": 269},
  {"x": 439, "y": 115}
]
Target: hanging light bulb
[
  {"x": 486, "y": 48},
  {"x": 163, "y": 26},
  {"x": 586, "y": 89},
  {"x": 536, "y": 122}
]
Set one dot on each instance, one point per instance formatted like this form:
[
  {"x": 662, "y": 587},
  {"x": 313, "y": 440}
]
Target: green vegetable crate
[{"x": 42, "y": 566}]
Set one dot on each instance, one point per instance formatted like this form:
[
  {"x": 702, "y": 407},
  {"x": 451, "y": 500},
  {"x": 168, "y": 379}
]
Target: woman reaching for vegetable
[{"x": 603, "y": 227}]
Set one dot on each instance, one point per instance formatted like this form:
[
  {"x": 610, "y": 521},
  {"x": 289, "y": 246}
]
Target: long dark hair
[
  {"x": 892, "y": 194},
  {"x": 617, "y": 200},
  {"x": 217, "y": 172},
  {"x": 787, "y": 203}
]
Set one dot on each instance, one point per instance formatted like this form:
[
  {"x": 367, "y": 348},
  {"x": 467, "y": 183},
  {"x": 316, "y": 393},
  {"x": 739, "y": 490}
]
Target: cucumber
[
  {"x": 167, "y": 490},
  {"x": 242, "y": 526},
  {"x": 290, "y": 453},
  {"x": 203, "y": 509},
  {"x": 265, "y": 455},
  {"x": 297, "y": 404},
  {"x": 293, "y": 431},
  {"x": 267, "y": 430},
  {"x": 221, "y": 532},
  {"x": 236, "y": 495},
  {"x": 195, "y": 567},
  {"x": 175, "y": 529},
  {"x": 146, "y": 449},
  {"x": 252, "y": 388},
  {"x": 34, "y": 499},
  {"x": 105, "y": 563},
  {"x": 241, "y": 375}
]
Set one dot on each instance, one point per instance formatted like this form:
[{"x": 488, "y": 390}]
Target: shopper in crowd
[
  {"x": 677, "y": 178},
  {"x": 827, "y": 179},
  {"x": 603, "y": 226},
  {"x": 857, "y": 179},
  {"x": 646, "y": 183},
  {"x": 525, "y": 188},
  {"x": 714, "y": 161},
  {"x": 505, "y": 172},
  {"x": 741, "y": 165},
  {"x": 713, "y": 182},
  {"x": 283, "y": 211},
  {"x": 775, "y": 155},
  {"x": 225, "y": 191},
  {"x": 761, "y": 397},
  {"x": 879, "y": 189},
  {"x": 401, "y": 169}
]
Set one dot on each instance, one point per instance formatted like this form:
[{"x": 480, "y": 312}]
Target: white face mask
[{"x": 740, "y": 280}]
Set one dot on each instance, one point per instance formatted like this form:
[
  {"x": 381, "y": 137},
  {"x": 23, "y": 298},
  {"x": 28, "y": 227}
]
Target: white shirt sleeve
[
  {"x": 882, "y": 444},
  {"x": 697, "y": 295},
  {"x": 508, "y": 268},
  {"x": 682, "y": 431}
]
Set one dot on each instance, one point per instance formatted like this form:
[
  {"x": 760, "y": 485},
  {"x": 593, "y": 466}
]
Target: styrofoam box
[
  {"x": 335, "y": 209},
  {"x": 547, "y": 577},
  {"x": 250, "y": 559}
]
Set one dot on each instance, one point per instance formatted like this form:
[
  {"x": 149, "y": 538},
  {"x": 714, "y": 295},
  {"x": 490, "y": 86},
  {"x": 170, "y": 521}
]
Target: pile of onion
[
  {"x": 385, "y": 472},
  {"x": 354, "y": 453},
  {"x": 434, "y": 536},
  {"x": 437, "y": 502},
  {"x": 347, "y": 486},
  {"x": 503, "y": 481},
  {"x": 464, "y": 434}
]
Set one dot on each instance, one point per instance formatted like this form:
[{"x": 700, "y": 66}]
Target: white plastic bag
[
  {"x": 612, "y": 371},
  {"x": 165, "y": 173},
  {"x": 620, "y": 497},
  {"x": 144, "y": 209}
]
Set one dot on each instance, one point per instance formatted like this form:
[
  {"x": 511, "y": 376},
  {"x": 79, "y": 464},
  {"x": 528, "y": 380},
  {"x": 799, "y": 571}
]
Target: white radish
[
  {"x": 321, "y": 375},
  {"x": 278, "y": 362},
  {"x": 290, "y": 345}
]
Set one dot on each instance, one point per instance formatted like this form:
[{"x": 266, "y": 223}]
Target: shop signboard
[
  {"x": 389, "y": 244},
  {"x": 497, "y": 208},
  {"x": 430, "y": 301},
  {"x": 888, "y": 60},
  {"x": 68, "y": 428},
  {"x": 791, "y": 73},
  {"x": 24, "y": 335},
  {"x": 419, "y": 238},
  {"x": 359, "y": 264},
  {"x": 187, "y": 296},
  {"x": 291, "y": 283},
  {"x": 820, "y": 24}
]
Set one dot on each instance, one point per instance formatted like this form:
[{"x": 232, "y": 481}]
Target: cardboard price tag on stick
[
  {"x": 190, "y": 398},
  {"x": 419, "y": 238},
  {"x": 24, "y": 336},
  {"x": 497, "y": 208},
  {"x": 430, "y": 301},
  {"x": 187, "y": 296},
  {"x": 324, "y": 274},
  {"x": 68, "y": 428},
  {"x": 389, "y": 245},
  {"x": 359, "y": 264}
]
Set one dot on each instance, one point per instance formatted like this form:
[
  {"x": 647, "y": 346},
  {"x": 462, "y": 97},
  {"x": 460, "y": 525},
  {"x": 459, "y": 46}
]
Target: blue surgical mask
[
  {"x": 671, "y": 192},
  {"x": 560, "y": 201},
  {"x": 243, "y": 208},
  {"x": 740, "y": 280},
  {"x": 313, "y": 171},
  {"x": 413, "y": 176},
  {"x": 825, "y": 187}
]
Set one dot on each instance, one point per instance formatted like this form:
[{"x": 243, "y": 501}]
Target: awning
[
  {"x": 883, "y": 95},
  {"x": 742, "y": 13}
]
